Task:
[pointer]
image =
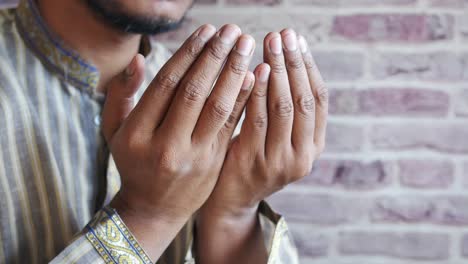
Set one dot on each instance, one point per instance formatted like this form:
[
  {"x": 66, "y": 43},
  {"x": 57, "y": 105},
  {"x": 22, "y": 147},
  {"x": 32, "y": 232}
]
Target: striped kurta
[{"x": 56, "y": 176}]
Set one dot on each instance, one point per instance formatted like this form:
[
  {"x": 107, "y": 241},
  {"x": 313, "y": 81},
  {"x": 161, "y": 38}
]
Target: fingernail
[
  {"x": 248, "y": 82},
  {"x": 245, "y": 45},
  {"x": 303, "y": 44},
  {"x": 275, "y": 45},
  {"x": 207, "y": 32},
  {"x": 130, "y": 70},
  {"x": 229, "y": 34},
  {"x": 264, "y": 74},
  {"x": 290, "y": 41}
]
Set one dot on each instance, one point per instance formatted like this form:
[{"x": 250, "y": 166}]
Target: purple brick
[
  {"x": 404, "y": 102},
  {"x": 435, "y": 67},
  {"x": 401, "y": 209},
  {"x": 465, "y": 173},
  {"x": 464, "y": 245},
  {"x": 447, "y": 138},
  {"x": 451, "y": 210},
  {"x": 344, "y": 102},
  {"x": 344, "y": 138},
  {"x": 309, "y": 242},
  {"x": 389, "y": 102},
  {"x": 354, "y": 3},
  {"x": 426, "y": 173},
  {"x": 318, "y": 209},
  {"x": 340, "y": 66},
  {"x": 353, "y": 175},
  {"x": 448, "y": 3},
  {"x": 441, "y": 210},
  {"x": 461, "y": 103},
  {"x": 393, "y": 27},
  {"x": 463, "y": 25},
  {"x": 417, "y": 246}
]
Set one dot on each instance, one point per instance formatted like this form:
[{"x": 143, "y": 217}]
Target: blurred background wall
[{"x": 392, "y": 187}]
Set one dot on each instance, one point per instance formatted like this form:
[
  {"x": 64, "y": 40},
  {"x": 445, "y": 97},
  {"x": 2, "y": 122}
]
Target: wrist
[
  {"x": 133, "y": 209},
  {"x": 243, "y": 230},
  {"x": 154, "y": 232},
  {"x": 210, "y": 216}
]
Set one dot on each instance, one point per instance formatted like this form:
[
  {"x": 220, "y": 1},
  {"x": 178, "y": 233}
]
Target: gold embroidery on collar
[{"x": 51, "y": 50}]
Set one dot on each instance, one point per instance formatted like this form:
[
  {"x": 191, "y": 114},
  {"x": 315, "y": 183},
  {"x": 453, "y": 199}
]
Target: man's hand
[
  {"x": 170, "y": 148},
  {"x": 283, "y": 133}
]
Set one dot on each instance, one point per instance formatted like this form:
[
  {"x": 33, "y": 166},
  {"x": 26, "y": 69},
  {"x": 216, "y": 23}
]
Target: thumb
[{"x": 120, "y": 96}]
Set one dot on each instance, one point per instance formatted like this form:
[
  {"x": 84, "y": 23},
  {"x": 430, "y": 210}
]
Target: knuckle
[
  {"x": 295, "y": 63},
  {"x": 309, "y": 63},
  {"x": 194, "y": 47},
  {"x": 305, "y": 104},
  {"x": 277, "y": 66},
  {"x": 167, "y": 82},
  {"x": 322, "y": 93},
  {"x": 242, "y": 97},
  {"x": 260, "y": 93},
  {"x": 168, "y": 162},
  {"x": 217, "y": 52},
  {"x": 261, "y": 121},
  {"x": 283, "y": 107},
  {"x": 193, "y": 91},
  {"x": 231, "y": 121},
  {"x": 219, "y": 109},
  {"x": 238, "y": 67}
]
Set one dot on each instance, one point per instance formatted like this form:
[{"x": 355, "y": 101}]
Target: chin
[{"x": 141, "y": 16}]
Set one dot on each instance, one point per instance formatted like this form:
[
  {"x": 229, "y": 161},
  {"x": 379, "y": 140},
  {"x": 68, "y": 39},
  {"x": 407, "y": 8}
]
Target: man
[{"x": 178, "y": 188}]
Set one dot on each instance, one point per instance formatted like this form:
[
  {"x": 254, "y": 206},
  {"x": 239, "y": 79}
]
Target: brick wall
[{"x": 392, "y": 187}]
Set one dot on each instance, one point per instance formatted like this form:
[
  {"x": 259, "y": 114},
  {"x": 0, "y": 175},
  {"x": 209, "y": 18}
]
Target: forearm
[{"x": 221, "y": 239}]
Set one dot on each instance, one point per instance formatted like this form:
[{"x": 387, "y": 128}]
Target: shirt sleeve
[
  {"x": 106, "y": 239},
  {"x": 277, "y": 238}
]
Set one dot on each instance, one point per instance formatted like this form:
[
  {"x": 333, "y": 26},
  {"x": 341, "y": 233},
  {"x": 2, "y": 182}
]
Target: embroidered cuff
[{"x": 112, "y": 239}]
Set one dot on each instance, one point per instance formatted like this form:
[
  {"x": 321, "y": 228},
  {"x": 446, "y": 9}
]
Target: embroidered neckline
[
  {"x": 51, "y": 49},
  {"x": 54, "y": 53}
]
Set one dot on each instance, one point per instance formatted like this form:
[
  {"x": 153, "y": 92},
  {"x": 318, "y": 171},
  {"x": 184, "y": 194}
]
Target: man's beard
[{"x": 114, "y": 14}]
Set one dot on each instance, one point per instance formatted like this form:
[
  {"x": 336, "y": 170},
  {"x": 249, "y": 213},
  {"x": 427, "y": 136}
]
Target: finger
[
  {"x": 280, "y": 107},
  {"x": 226, "y": 132},
  {"x": 220, "y": 104},
  {"x": 154, "y": 103},
  {"x": 189, "y": 100},
  {"x": 254, "y": 128},
  {"x": 302, "y": 97},
  {"x": 320, "y": 92},
  {"x": 120, "y": 96}
]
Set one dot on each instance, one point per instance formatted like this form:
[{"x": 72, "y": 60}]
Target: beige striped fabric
[{"x": 56, "y": 176}]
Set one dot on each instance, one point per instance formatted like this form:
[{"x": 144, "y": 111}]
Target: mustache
[{"x": 113, "y": 14}]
